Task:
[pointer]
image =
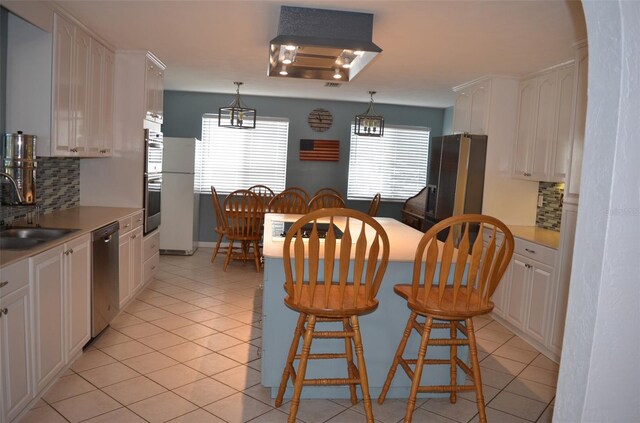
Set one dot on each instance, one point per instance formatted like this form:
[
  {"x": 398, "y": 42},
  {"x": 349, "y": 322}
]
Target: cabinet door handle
[
  {"x": 527, "y": 174},
  {"x": 4, "y": 311},
  {"x": 139, "y": 219},
  {"x": 153, "y": 268},
  {"x": 530, "y": 251},
  {"x": 66, "y": 253},
  {"x": 133, "y": 236},
  {"x": 127, "y": 225},
  {"x": 4, "y": 283},
  {"x": 70, "y": 250},
  {"x": 528, "y": 266}
]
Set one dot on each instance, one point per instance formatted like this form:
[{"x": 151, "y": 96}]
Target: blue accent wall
[
  {"x": 447, "y": 124},
  {"x": 183, "y": 118}
]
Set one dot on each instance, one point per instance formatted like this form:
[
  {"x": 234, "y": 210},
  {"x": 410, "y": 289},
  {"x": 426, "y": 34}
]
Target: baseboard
[{"x": 206, "y": 244}]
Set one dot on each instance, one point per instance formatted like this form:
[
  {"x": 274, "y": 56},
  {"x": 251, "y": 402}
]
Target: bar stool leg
[
  {"x": 302, "y": 369},
  {"x": 349, "y": 351},
  {"x": 477, "y": 379},
  {"x": 256, "y": 255},
  {"x": 288, "y": 367},
  {"x": 362, "y": 369},
  {"x": 398, "y": 357},
  {"x": 417, "y": 373},
  {"x": 453, "y": 396}
]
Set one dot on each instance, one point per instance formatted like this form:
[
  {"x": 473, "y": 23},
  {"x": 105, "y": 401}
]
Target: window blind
[
  {"x": 231, "y": 159},
  {"x": 395, "y": 165}
]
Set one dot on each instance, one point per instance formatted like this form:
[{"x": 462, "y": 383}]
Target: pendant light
[
  {"x": 369, "y": 124},
  {"x": 236, "y": 115}
]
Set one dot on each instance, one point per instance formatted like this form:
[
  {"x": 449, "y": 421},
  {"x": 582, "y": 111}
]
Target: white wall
[{"x": 599, "y": 371}]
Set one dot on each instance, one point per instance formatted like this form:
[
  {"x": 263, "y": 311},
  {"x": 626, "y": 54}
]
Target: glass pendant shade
[
  {"x": 369, "y": 124},
  {"x": 236, "y": 115}
]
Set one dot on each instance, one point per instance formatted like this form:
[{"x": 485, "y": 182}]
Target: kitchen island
[{"x": 381, "y": 330}]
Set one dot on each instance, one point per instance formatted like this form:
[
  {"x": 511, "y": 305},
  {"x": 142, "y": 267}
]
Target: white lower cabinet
[
  {"x": 60, "y": 283},
  {"x": 16, "y": 389},
  {"x": 526, "y": 300},
  {"x": 151, "y": 255},
  {"x": 130, "y": 258},
  {"x": 47, "y": 285}
]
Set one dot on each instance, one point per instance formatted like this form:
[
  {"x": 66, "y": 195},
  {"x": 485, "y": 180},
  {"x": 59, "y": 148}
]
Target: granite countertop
[
  {"x": 84, "y": 218},
  {"x": 544, "y": 237}
]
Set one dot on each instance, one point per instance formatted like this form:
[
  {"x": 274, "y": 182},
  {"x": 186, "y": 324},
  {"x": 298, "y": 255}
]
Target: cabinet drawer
[
  {"x": 535, "y": 251},
  {"x": 150, "y": 267},
  {"x": 14, "y": 277},
  {"x": 137, "y": 219},
  {"x": 488, "y": 234},
  {"x": 125, "y": 225},
  {"x": 151, "y": 245}
]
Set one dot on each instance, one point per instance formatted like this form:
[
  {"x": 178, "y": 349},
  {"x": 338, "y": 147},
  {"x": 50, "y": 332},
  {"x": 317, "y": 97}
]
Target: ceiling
[{"x": 428, "y": 46}]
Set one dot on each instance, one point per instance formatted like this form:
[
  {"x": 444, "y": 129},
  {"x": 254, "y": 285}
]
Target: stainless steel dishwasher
[{"x": 105, "y": 277}]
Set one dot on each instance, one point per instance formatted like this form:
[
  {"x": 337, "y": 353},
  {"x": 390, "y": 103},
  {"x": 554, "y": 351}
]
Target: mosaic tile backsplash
[
  {"x": 550, "y": 214},
  {"x": 57, "y": 187}
]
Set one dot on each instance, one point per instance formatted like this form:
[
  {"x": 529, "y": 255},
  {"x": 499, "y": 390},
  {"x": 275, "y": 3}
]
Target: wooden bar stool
[
  {"x": 452, "y": 282},
  {"x": 325, "y": 200},
  {"x": 332, "y": 280}
]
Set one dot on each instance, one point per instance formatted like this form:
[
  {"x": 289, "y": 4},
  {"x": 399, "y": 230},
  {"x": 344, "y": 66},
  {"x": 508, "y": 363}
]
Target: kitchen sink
[{"x": 23, "y": 238}]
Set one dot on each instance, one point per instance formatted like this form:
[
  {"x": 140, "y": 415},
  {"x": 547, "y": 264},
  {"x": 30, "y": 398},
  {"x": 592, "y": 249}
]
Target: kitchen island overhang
[{"x": 381, "y": 330}]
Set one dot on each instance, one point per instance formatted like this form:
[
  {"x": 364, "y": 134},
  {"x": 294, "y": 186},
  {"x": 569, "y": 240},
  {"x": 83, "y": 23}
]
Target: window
[
  {"x": 231, "y": 159},
  {"x": 394, "y": 165}
]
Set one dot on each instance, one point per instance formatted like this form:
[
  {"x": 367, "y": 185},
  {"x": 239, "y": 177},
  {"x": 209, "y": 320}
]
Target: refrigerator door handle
[{"x": 431, "y": 200}]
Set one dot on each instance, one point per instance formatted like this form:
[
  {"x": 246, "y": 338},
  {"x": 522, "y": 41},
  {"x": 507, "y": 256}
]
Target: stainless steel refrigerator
[{"x": 455, "y": 178}]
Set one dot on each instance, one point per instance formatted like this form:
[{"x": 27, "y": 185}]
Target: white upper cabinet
[
  {"x": 471, "y": 108},
  {"x": 544, "y": 116},
  {"x": 154, "y": 90},
  {"x": 82, "y": 86},
  {"x": 572, "y": 189}
]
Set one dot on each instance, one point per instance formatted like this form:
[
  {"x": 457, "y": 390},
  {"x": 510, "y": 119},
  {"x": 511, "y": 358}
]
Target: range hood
[{"x": 321, "y": 44}]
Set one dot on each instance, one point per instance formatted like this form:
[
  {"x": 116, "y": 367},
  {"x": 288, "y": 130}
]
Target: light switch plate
[{"x": 540, "y": 200}]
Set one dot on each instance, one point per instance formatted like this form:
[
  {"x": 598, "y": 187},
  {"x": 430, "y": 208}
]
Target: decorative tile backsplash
[
  {"x": 549, "y": 214},
  {"x": 57, "y": 187}
]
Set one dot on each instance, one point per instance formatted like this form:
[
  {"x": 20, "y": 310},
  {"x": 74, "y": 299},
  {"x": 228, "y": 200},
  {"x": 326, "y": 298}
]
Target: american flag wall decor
[{"x": 320, "y": 150}]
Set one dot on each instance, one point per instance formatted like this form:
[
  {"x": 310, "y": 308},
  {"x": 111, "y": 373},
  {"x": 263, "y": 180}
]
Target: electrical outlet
[{"x": 540, "y": 200}]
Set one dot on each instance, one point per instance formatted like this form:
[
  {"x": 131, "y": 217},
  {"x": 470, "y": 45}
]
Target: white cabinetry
[
  {"x": 151, "y": 255},
  {"x": 60, "y": 283},
  {"x": 101, "y": 111},
  {"x": 489, "y": 106},
  {"x": 572, "y": 189},
  {"x": 82, "y": 102},
  {"x": 16, "y": 389},
  {"x": 47, "y": 283},
  {"x": 544, "y": 116},
  {"x": 77, "y": 272},
  {"x": 130, "y": 257},
  {"x": 526, "y": 294},
  {"x": 154, "y": 89},
  {"x": 471, "y": 108}
]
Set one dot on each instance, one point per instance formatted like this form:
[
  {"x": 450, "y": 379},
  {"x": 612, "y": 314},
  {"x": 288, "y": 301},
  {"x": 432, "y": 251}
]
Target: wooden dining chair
[
  {"x": 452, "y": 282},
  {"x": 300, "y": 191},
  {"x": 325, "y": 201},
  {"x": 331, "y": 280},
  {"x": 288, "y": 202},
  {"x": 328, "y": 190},
  {"x": 245, "y": 217},
  {"x": 373, "y": 206},
  {"x": 264, "y": 193},
  {"x": 221, "y": 227}
]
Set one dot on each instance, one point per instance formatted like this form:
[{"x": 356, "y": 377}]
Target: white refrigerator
[{"x": 179, "y": 203}]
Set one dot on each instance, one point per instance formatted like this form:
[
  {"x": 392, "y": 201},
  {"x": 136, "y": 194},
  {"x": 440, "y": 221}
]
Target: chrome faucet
[{"x": 15, "y": 186}]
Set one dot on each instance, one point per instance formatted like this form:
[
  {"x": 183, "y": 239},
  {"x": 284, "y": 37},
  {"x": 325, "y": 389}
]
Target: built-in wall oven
[{"x": 152, "y": 179}]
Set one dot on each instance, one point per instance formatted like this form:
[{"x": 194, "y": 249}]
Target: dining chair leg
[
  {"x": 397, "y": 357},
  {"x": 288, "y": 367},
  {"x": 215, "y": 251},
  {"x": 477, "y": 379},
  {"x": 453, "y": 397},
  {"x": 349, "y": 352},
  {"x": 228, "y": 259},
  {"x": 362, "y": 369},
  {"x": 302, "y": 369},
  {"x": 417, "y": 372},
  {"x": 256, "y": 255}
]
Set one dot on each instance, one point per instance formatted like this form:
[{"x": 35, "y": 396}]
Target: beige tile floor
[{"x": 187, "y": 349}]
